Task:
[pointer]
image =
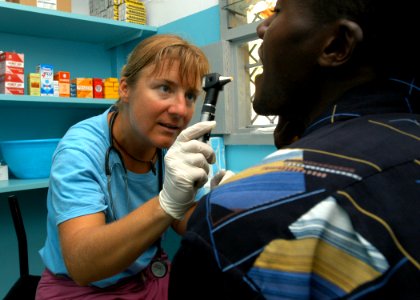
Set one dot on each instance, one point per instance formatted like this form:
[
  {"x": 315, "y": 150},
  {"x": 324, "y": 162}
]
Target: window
[{"x": 239, "y": 19}]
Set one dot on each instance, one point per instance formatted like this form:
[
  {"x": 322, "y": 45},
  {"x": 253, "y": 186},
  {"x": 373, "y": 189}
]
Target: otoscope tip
[{"x": 226, "y": 78}]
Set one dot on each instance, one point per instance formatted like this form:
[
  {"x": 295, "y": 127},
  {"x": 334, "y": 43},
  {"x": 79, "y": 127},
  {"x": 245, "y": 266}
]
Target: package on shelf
[
  {"x": 63, "y": 78},
  {"x": 132, "y": 12},
  {"x": 111, "y": 86},
  {"x": 34, "y": 84},
  {"x": 50, "y": 4},
  {"x": 12, "y": 63},
  {"x": 12, "y": 78},
  {"x": 8, "y": 77},
  {"x": 98, "y": 87},
  {"x": 63, "y": 5},
  {"x": 104, "y": 8},
  {"x": 46, "y": 72},
  {"x": 73, "y": 90},
  {"x": 56, "y": 88},
  {"x": 81, "y": 87},
  {"x": 11, "y": 87},
  {"x": 130, "y": 3}
]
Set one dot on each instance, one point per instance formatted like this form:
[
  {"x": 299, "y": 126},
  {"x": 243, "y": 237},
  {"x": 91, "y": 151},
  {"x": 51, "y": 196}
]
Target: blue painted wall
[{"x": 201, "y": 28}]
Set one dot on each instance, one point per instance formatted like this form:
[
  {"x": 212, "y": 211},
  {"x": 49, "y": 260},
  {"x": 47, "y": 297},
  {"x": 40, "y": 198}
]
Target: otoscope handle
[
  {"x": 212, "y": 84},
  {"x": 207, "y": 114}
]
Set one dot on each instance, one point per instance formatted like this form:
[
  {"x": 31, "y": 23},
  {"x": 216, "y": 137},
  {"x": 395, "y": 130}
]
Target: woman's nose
[{"x": 178, "y": 105}]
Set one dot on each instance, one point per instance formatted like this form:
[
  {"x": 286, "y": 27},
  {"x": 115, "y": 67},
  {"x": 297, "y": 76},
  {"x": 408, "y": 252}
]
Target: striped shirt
[{"x": 333, "y": 215}]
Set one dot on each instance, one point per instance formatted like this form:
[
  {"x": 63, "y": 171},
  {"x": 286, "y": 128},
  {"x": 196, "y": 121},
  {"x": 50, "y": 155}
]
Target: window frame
[{"x": 240, "y": 132}]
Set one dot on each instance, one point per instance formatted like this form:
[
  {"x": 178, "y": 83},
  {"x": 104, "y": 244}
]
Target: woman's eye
[
  {"x": 191, "y": 97},
  {"x": 164, "y": 88}
]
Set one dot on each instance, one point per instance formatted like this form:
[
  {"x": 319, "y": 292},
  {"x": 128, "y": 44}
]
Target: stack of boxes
[
  {"x": 107, "y": 9},
  {"x": 63, "y": 5},
  {"x": 12, "y": 75},
  {"x": 132, "y": 11},
  {"x": 111, "y": 86}
]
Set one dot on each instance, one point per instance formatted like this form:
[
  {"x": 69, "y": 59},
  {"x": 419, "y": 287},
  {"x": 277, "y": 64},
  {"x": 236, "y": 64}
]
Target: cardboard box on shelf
[
  {"x": 13, "y": 88},
  {"x": 98, "y": 88},
  {"x": 111, "y": 86},
  {"x": 63, "y": 78},
  {"x": 12, "y": 63},
  {"x": 63, "y": 5},
  {"x": 34, "y": 84},
  {"x": 47, "y": 77},
  {"x": 83, "y": 87},
  {"x": 18, "y": 78},
  {"x": 11, "y": 84}
]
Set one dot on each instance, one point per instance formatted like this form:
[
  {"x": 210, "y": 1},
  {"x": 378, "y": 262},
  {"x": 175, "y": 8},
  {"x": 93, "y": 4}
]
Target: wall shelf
[
  {"x": 21, "y": 19},
  {"x": 13, "y": 185},
  {"x": 44, "y": 101}
]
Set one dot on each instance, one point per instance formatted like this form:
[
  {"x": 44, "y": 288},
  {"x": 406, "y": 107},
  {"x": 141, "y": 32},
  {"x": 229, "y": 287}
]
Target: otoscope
[{"x": 212, "y": 84}]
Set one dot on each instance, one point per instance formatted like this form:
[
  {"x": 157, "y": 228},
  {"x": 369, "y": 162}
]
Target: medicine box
[
  {"x": 63, "y": 5},
  {"x": 56, "y": 88},
  {"x": 10, "y": 87},
  {"x": 12, "y": 63},
  {"x": 34, "y": 84},
  {"x": 12, "y": 79},
  {"x": 83, "y": 87},
  {"x": 98, "y": 88},
  {"x": 111, "y": 86},
  {"x": 63, "y": 78},
  {"x": 132, "y": 12},
  {"x": 47, "y": 77}
]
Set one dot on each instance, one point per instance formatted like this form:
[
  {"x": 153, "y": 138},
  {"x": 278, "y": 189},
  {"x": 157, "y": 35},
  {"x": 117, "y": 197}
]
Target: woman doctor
[{"x": 108, "y": 203}]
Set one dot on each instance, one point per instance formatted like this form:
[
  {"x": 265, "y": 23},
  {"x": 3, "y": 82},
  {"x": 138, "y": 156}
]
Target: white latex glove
[
  {"x": 220, "y": 177},
  {"x": 186, "y": 169}
]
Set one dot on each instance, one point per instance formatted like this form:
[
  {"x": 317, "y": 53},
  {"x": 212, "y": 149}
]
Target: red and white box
[
  {"x": 12, "y": 74},
  {"x": 11, "y": 63},
  {"x": 98, "y": 88},
  {"x": 18, "y": 78},
  {"x": 10, "y": 87}
]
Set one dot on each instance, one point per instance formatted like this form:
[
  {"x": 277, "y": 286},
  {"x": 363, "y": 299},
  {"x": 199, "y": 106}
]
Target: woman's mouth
[{"x": 170, "y": 127}]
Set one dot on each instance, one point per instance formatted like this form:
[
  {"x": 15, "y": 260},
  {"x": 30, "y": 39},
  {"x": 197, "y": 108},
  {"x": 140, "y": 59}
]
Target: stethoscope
[{"x": 158, "y": 267}]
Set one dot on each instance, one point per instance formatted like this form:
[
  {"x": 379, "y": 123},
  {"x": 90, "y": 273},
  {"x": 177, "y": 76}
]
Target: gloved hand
[
  {"x": 220, "y": 177},
  {"x": 186, "y": 169}
]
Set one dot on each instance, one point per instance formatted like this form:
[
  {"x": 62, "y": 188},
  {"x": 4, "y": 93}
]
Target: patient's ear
[{"x": 339, "y": 47}]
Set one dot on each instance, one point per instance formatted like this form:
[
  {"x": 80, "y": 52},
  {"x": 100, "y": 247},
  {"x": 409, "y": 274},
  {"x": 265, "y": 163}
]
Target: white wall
[
  {"x": 159, "y": 12},
  {"x": 80, "y": 7}
]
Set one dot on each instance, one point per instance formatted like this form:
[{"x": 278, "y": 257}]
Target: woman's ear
[
  {"x": 123, "y": 89},
  {"x": 339, "y": 47}
]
